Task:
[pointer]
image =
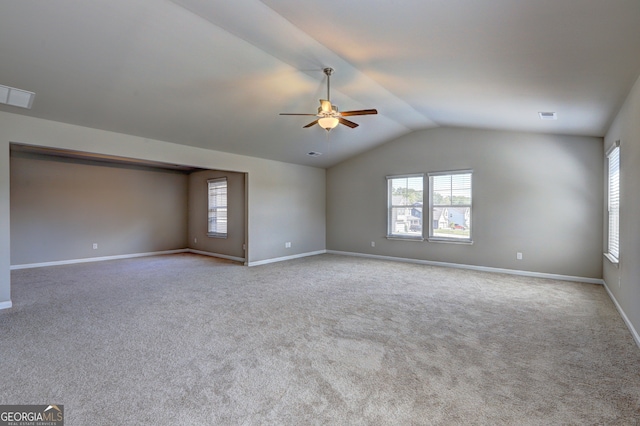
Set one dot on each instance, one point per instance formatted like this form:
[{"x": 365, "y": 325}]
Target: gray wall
[
  {"x": 536, "y": 194},
  {"x": 623, "y": 280},
  {"x": 290, "y": 208},
  {"x": 60, "y": 207},
  {"x": 198, "y": 206}
]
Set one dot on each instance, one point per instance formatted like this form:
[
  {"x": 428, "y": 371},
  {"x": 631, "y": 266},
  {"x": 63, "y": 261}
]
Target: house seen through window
[
  {"x": 450, "y": 206},
  {"x": 405, "y": 197}
]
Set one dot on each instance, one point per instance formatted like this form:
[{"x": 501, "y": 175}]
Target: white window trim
[
  {"x": 436, "y": 239},
  {"x": 391, "y": 236},
  {"x": 217, "y": 234},
  {"x": 612, "y": 257}
]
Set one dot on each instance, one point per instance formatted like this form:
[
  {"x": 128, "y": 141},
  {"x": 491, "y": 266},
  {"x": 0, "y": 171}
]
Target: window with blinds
[
  {"x": 217, "y": 217},
  {"x": 450, "y": 206},
  {"x": 405, "y": 195},
  {"x": 613, "y": 178}
]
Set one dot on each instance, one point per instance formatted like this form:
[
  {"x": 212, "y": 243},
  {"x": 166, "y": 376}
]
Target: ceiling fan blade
[
  {"x": 347, "y": 122},
  {"x": 359, "y": 112},
  {"x": 293, "y": 113},
  {"x": 325, "y": 105},
  {"x": 310, "y": 124}
]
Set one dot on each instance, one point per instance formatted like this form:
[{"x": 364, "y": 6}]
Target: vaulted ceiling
[{"x": 216, "y": 73}]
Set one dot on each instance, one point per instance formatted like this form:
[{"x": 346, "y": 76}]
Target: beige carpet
[{"x": 191, "y": 340}]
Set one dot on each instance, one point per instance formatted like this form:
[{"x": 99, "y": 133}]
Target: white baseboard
[
  {"x": 223, "y": 256},
  {"x": 186, "y": 250},
  {"x": 282, "y": 259},
  {"x": 95, "y": 259},
  {"x": 474, "y": 267},
  {"x": 630, "y": 326},
  {"x": 6, "y": 305}
]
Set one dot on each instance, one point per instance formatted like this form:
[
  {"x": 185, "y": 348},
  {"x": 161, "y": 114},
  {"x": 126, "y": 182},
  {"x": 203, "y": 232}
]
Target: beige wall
[
  {"x": 536, "y": 194},
  {"x": 231, "y": 246},
  {"x": 61, "y": 207},
  {"x": 623, "y": 280}
]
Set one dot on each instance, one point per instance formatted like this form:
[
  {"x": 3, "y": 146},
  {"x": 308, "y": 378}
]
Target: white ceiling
[{"x": 216, "y": 73}]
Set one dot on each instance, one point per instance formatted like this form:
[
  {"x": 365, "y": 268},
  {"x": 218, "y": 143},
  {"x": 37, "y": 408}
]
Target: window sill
[
  {"x": 450, "y": 241},
  {"x": 612, "y": 259},
  {"x": 402, "y": 238},
  {"x": 217, "y": 236}
]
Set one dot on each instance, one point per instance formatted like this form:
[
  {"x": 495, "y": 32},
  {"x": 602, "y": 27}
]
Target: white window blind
[
  {"x": 614, "y": 203},
  {"x": 450, "y": 206},
  {"x": 217, "y": 217},
  {"x": 405, "y": 195}
]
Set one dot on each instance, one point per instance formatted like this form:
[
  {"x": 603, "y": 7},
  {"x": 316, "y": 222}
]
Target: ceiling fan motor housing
[{"x": 334, "y": 111}]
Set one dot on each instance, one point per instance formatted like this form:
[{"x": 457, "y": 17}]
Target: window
[
  {"x": 405, "y": 197},
  {"x": 450, "y": 206},
  {"x": 217, "y": 216},
  {"x": 613, "y": 178}
]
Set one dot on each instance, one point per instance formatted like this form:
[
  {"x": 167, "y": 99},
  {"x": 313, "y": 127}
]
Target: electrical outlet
[
  {"x": 373, "y": 243},
  {"x": 519, "y": 256},
  {"x": 287, "y": 244},
  {"x": 95, "y": 246},
  {"x": 195, "y": 241}
]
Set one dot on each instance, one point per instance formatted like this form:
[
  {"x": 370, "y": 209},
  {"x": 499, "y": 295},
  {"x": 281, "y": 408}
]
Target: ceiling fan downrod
[{"x": 328, "y": 71}]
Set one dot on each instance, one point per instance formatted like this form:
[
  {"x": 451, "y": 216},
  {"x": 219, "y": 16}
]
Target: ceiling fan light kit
[
  {"x": 328, "y": 115},
  {"x": 328, "y": 123}
]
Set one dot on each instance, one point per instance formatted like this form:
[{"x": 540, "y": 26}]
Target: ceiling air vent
[
  {"x": 314, "y": 154},
  {"x": 548, "y": 116},
  {"x": 16, "y": 97}
]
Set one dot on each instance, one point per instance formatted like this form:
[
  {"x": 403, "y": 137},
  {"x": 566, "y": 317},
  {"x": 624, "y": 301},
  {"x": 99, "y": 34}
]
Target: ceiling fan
[{"x": 328, "y": 114}]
